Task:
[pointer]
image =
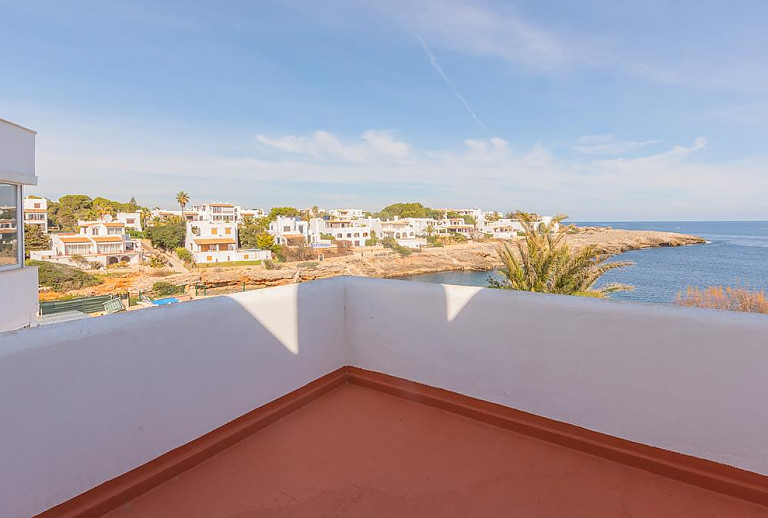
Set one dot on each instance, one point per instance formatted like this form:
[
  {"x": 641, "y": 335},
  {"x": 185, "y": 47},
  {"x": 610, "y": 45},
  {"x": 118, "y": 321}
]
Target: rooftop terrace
[{"x": 367, "y": 397}]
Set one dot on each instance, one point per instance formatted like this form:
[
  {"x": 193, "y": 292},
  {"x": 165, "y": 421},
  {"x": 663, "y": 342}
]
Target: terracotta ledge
[{"x": 684, "y": 468}]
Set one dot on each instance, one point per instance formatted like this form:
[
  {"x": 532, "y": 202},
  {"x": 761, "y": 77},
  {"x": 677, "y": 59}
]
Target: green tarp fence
[{"x": 85, "y": 304}]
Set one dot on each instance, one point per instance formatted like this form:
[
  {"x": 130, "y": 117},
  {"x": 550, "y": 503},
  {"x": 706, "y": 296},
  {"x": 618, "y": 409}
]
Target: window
[
  {"x": 214, "y": 231},
  {"x": 227, "y": 231},
  {"x": 10, "y": 230}
]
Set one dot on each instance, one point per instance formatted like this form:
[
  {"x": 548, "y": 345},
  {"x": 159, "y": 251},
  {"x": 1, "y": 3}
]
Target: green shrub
[
  {"x": 135, "y": 234},
  {"x": 165, "y": 289},
  {"x": 157, "y": 261},
  {"x": 269, "y": 264},
  {"x": 308, "y": 264},
  {"x": 185, "y": 255},
  {"x": 63, "y": 278}
]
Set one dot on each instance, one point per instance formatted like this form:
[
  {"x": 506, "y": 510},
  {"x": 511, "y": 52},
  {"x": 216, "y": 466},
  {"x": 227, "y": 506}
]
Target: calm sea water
[{"x": 736, "y": 255}]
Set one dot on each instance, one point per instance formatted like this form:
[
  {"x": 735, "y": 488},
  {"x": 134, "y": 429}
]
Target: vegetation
[
  {"x": 391, "y": 243},
  {"x": 724, "y": 298},
  {"x": 185, "y": 255},
  {"x": 373, "y": 240},
  {"x": 157, "y": 261},
  {"x": 544, "y": 263},
  {"x": 289, "y": 212},
  {"x": 135, "y": 234},
  {"x": 182, "y": 198},
  {"x": 65, "y": 213},
  {"x": 328, "y": 237},
  {"x": 252, "y": 233},
  {"x": 63, "y": 278},
  {"x": 269, "y": 264},
  {"x": 166, "y": 289},
  {"x": 167, "y": 236},
  {"x": 35, "y": 239},
  {"x": 311, "y": 265},
  {"x": 407, "y": 210}
]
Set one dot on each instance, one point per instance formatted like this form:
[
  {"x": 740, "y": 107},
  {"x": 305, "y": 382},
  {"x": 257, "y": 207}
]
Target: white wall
[
  {"x": 83, "y": 402},
  {"x": 688, "y": 380},
  {"x": 17, "y": 154},
  {"x": 18, "y": 298}
]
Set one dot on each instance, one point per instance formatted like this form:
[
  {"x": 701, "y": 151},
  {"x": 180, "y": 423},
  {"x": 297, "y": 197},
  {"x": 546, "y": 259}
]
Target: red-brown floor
[{"x": 359, "y": 452}]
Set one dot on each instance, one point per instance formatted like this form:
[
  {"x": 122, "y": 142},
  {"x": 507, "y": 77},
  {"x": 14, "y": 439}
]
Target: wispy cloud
[
  {"x": 454, "y": 91},
  {"x": 609, "y": 145}
]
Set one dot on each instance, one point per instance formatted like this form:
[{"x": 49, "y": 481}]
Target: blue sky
[{"x": 599, "y": 109}]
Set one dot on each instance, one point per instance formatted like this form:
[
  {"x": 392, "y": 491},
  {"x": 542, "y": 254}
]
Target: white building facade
[
  {"x": 36, "y": 212},
  {"x": 18, "y": 283},
  {"x": 216, "y": 242},
  {"x": 103, "y": 243}
]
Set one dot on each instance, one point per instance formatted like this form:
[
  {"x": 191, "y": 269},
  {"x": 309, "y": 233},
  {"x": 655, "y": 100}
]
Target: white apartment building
[
  {"x": 452, "y": 226},
  {"x": 285, "y": 229},
  {"x": 346, "y": 213},
  {"x": 216, "y": 212},
  {"x": 18, "y": 283},
  {"x": 36, "y": 212},
  {"x": 216, "y": 242},
  {"x": 507, "y": 228},
  {"x": 103, "y": 242},
  {"x": 241, "y": 213},
  {"x": 355, "y": 231}
]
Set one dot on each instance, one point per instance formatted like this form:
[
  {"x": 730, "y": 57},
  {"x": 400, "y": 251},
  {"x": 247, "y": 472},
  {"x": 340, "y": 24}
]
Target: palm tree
[
  {"x": 182, "y": 199},
  {"x": 429, "y": 229},
  {"x": 544, "y": 263}
]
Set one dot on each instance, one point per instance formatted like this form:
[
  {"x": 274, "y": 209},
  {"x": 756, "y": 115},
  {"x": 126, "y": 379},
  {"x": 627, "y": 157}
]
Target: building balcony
[{"x": 368, "y": 397}]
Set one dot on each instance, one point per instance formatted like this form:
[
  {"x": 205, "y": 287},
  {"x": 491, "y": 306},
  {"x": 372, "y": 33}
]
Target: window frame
[{"x": 19, "y": 227}]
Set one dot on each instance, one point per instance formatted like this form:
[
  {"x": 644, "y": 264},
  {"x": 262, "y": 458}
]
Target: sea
[{"x": 735, "y": 254}]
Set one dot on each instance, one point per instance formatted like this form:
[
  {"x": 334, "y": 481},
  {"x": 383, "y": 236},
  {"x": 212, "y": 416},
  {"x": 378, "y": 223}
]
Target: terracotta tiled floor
[{"x": 359, "y": 452}]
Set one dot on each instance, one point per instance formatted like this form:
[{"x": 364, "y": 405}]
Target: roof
[
  {"x": 75, "y": 239},
  {"x": 35, "y": 210},
  {"x": 107, "y": 239},
  {"x": 357, "y": 451},
  {"x": 215, "y": 241},
  {"x": 114, "y": 224},
  {"x": 221, "y": 205}
]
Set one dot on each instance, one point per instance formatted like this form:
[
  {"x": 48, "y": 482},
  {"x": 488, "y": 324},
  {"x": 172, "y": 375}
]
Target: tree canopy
[{"x": 407, "y": 210}]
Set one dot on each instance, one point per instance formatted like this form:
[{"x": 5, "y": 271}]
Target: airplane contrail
[{"x": 439, "y": 70}]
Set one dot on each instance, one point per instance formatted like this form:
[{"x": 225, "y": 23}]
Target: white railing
[{"x": 82, "y": 402}]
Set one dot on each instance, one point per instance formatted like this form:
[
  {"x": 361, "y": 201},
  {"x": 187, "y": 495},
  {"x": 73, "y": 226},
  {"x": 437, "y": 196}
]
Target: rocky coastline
[{"x": 378, "y": 262}]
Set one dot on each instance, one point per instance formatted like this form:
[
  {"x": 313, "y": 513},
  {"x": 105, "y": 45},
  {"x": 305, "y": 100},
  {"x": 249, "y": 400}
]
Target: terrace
[{"x": 369, "y": 397}]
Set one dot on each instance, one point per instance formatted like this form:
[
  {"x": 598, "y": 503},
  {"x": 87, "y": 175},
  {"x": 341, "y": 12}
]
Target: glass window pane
[{"x": 9, "y": 226}]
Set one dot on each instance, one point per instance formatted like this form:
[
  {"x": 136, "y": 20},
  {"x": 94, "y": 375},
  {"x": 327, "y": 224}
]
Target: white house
[
  {"x": 216, "y": 242},
  {"x": 130, "y": 220},
  {"x": 18, "y": 283},
  {"x": 104, "y": 242},
  {"x": 285, "y": 229},
  {"x": 36, "y": 212}
]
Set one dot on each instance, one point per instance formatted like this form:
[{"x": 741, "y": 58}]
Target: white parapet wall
[
  {"x": 85, "y": 401},
  {"x": 18, "y": 298},
  {"x": 688, "y": 380}
]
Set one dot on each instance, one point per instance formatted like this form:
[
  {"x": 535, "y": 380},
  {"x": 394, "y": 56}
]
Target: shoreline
[{"x": 377, "y": 262}]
